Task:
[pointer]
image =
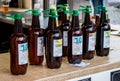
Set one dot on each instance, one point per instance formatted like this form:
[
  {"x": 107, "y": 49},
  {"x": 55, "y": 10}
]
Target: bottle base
[
  {"x": 102, "y": 53},
  {"x": 54, "y": 65},
  {"x": 88, "y": 56}
]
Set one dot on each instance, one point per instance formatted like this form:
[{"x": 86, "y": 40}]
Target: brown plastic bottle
[
  {"x": 18, "y": 49},
  {"x": 88, "y": 36},
  {"x": 36, "y": 41},
  {"x": 103, "y": 35},
  {"x": 65, "y": 26},
  {"x": 49, "y": 25},
  {"x": 53, "y": 50},
  {"x": 75, "y": 40},
  {"x": 97, "y": 22}
]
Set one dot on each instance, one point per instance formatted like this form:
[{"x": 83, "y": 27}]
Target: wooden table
[{"x": 42, "y": 73}]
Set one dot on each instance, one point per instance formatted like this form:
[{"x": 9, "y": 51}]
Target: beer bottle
[
  {"x": 88, "y": 36},
  {"x": 53, "y": 50},
  {"x": 18, "y": 48},
  {"x": 103, "y": 35},
  {"x": 65, "y": 26},
  {"x": 35, "y": 41},
  {"x": 75, "y": 40},
  {"x": 49, "y": 25}
]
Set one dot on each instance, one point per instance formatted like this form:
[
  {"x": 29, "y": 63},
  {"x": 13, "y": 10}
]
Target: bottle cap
[
  {"x": 88, "y": 6},
  {"x": 104, "y": 9},
  {"x": 35, "y": 12},
  {"x": 66, "y": 10},
  {"x": 18, "y": 16},
  {"x": 88, "y": 9},
  {"x": 51, "y": 10},
  {"x": 75, "y": 13},
  {"x": 54, "y": 14}
]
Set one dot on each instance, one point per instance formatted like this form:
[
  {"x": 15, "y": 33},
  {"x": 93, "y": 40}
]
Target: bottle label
[
  {"x": 106, "y": 40},
  {"x": 91, "y": 42},
  {"x": 57, "y": 22},
  {"x": 23, "y": 53},
  {"x": 77, "y": 45},
  {"x": 65, "y": 38},
  {"x": 40, "y": 46},
  {"x": 57, "y": 48},
  {"x": 68, "y": 16}
]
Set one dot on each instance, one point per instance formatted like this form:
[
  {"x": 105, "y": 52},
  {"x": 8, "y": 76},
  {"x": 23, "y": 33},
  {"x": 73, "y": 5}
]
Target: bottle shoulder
[
  {"x": 76, "y": 31},
  {"x": 54, "y": 34},
  {"x": 19, "y": 37},
  {"x": 104, "y": 26},
  {"x": 35, "y": 30}
]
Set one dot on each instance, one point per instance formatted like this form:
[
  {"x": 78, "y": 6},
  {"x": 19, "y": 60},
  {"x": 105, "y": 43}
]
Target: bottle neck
[
  {"x": 50, "y": 22},
  {"x": 103, "y": 17},
  {"x": 87, "y": 19},
  {"x": 18, "y": 26},
  {"x": 75, "y": 21},
  {"x": 54, "y": 23},
  {"x": 35, "y": 22},
  {"x": 66, "y": 18}
]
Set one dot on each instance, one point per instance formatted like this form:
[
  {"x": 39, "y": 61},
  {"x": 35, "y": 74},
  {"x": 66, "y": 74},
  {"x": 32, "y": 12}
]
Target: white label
[
  {"x": 40, "y": 46},
  {"x": 65, "y": 38},
  {"x": 77, "y": 45},
  {"x": 91, "y": 42},
  {"x": 106, "y": 40},
  {"x": 23, "y": 53},
  {"x": 57, "y": 48}
]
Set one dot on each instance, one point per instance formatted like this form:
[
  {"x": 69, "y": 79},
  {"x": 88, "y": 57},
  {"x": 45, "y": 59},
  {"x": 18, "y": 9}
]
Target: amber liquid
[
  {"x": 88, "y": 29},
  {"x": 36, "y": 46},
  {"x": 88, "y": 54},
  {"x": 100, "y": 50},
  {"x": 103, "y": 26},
  {"x": 5, "y": 8},
  {"x": 52, "y": 35},
  {"x": 17, "y": 38},
  {"x": 75, "y": 31},
  {"x": 46, "y": 30}
]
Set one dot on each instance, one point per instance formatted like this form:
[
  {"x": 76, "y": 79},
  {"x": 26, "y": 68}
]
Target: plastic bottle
[
  {"x": 49, "y": 25},
  {"x": 18, "y": 48},
  {"x": 53, "y": 50},
  {"x": 75, "y": 40},
  {"x": 88, "y": 36},
  {"x": 65, "y": 26},
  {"x": 36, "y": 41},
  {"x": 103, "y": 35}
]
